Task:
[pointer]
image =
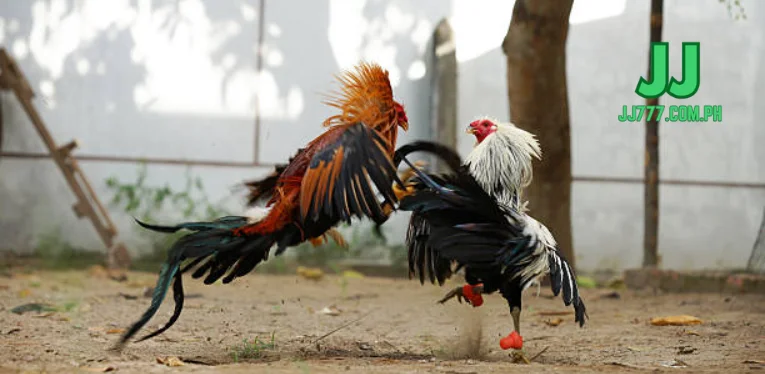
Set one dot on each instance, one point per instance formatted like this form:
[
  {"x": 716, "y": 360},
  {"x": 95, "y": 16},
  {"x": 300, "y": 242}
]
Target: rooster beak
[
  {"x": 404, "y": 125},
  {"x": 470, "y": 130}
]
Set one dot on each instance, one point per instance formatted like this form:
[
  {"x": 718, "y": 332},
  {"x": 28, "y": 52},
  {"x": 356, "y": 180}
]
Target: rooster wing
[{"x": 340, "y": 178}]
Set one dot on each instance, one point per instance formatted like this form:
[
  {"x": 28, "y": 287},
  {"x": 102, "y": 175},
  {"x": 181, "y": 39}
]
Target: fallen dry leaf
[
  {"x": 555, "y": 312},
  {"x": 310, "y": 273},
  {"x": 101, "y": 369},
  {"x": 685, "y": 350},
  {"x": 97, "y": 271},
  {"x": 625, "y": 365},
  {"x": 33, "y": 307},
  {"x": 170, "y": 361},
  {"x": 330, "y": 310},
  {"x": 25, "y": 293},
  {"x": 675, "y": 364},
  {"x": 139, "y": 284},
  {"x": 554, "y": 322},
  {"x": 681, "y": 320},
  {"x": 352, "y": 274},
  {"x": 127, "y": 296},
  {"x": 115, "y": 331},
  {"x": 117, "y": 275},
  {"x": 756, "y": 362},
  {"x": 611, "y": 295}
]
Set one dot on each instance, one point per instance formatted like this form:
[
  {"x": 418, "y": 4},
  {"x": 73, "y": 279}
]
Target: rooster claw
[
  {"x": 470, "y": 294},
  {"x": 456, "y": 292}
]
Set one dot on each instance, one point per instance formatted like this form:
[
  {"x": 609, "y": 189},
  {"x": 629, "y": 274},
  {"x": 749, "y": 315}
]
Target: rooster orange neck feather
[{"x": 366, "y": 96}]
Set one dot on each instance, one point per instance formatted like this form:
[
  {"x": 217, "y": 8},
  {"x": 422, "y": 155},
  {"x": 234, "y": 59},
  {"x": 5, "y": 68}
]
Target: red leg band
[
  {"x": 475, "y": 299},
  {"x": 514, "y": 341}
]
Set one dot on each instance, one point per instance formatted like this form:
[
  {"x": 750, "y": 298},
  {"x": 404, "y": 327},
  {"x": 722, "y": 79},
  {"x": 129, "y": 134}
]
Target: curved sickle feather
[
  {"x": 340, "y": 178},
  {"x": 178, "y": 297}
]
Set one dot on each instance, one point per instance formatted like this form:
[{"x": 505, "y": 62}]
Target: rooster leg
[
  {"x": 471, "y": 294},
  {"x": 324, "y": 238},
  {"x": 317, "y": 241},
  {"x": 516, "y": 313},
  {"x": 512, "y": 293},
  {"x": 514, "y": 340},
  {"x": 337, "y": 237}
]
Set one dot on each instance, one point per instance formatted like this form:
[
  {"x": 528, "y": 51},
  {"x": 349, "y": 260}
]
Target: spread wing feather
[{"x": 342, "y": 177}]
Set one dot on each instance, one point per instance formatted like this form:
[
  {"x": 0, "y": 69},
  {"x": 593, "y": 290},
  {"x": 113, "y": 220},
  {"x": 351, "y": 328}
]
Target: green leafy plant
[
  {"x": 145, "y": 202},
  {"x": 253, "y": 349}
]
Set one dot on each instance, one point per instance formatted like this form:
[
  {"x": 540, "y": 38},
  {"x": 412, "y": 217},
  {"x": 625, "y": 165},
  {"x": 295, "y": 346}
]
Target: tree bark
[
  {"x": 651, "y": 213},
  {"x": 444, "y": 97},
  {"x": 535, "y": 47}
]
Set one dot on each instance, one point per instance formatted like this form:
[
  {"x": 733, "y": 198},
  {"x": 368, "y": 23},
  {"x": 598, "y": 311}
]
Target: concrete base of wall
[{"x": 702, "y": 281}]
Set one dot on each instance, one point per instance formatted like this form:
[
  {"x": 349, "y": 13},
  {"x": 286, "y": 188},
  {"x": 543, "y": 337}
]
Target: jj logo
[{"x": 659, "y": 74}]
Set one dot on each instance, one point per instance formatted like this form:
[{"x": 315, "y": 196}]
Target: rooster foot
[
  {"x": 405, "y": 176},
  {"x": 471, "y": 294},
  {"x": 331, "y": 233},
  {"x": 401, "y": 193}
]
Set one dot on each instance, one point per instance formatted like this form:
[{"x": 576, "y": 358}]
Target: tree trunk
[
  {"x": 444, "y": 97},
  {"x": 651, "y": 213},
  {"x": 535, "y": 46}
]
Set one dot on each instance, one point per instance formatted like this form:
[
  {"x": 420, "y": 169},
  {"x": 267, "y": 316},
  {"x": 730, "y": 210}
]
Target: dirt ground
[{"x": 399, "y": 328}]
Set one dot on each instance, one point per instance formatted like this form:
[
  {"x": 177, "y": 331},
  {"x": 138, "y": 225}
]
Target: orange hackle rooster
[{"x": 345, "y": 172}]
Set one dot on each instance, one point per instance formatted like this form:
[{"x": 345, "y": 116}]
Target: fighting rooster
[
  {"x": 473, "y": 217},
  {"x": 332, "y": 179}
]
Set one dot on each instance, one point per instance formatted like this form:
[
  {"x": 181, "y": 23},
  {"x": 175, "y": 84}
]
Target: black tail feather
[
  {"x": 192, "y": 264},
  {"x": 563, "y": 280},
  {"x": 167, "y": 273},
  {"x": 178, "y": 297},
  {"x": 211, "y": 241},
  {"x": 158, "y": 228},
  {"x": 446, "y": 154}
]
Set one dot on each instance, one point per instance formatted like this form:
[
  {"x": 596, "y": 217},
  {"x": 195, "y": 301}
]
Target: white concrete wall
[{"x": 178, "y": 79}]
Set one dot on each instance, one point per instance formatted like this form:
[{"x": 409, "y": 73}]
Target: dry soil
[{"x": 399, "y": 328}]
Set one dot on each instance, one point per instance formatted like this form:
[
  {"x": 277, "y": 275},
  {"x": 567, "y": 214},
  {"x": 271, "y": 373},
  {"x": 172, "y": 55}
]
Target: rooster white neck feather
[{"x": 501, "y": 163}]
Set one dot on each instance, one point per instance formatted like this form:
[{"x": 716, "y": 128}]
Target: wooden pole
[
  {"x": 651, "y": 214},
  {"x": 444, "y": 97},
  {"x": 88, "y": 205}
]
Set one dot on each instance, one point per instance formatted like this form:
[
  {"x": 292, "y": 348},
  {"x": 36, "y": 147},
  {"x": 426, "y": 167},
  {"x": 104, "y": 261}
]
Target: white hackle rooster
[{"x": 474, "y": 217}]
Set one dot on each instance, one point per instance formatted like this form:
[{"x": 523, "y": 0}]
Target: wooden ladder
[{"x": 88, "y": 205}]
